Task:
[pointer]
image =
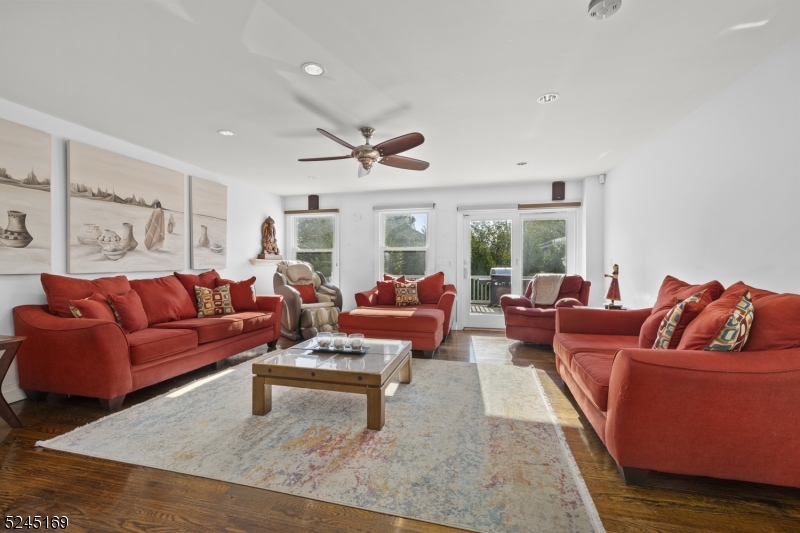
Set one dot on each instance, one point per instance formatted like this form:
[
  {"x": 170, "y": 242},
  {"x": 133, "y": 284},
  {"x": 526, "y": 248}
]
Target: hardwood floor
[{"x": 99, "y": 495}]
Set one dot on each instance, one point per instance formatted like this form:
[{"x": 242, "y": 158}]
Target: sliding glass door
[{"x": 502, "y": 251}]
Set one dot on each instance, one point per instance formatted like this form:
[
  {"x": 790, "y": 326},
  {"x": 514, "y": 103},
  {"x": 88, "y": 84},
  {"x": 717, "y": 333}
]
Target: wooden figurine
[
  {"x": 613, "y": 289},
  {"x": 269, "y": 243}
]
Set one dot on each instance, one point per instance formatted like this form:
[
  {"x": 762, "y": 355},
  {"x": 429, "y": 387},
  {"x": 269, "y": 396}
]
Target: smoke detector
[{"x": 602, "y": 9}]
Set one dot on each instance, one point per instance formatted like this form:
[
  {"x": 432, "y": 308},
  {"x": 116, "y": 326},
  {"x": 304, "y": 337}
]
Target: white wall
[
  {"x": 247, "y": 208},
  {"x": 358, "y": 246},
  {"x": 717, "y": 196}
]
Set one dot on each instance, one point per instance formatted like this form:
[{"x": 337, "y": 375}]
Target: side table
[{"x": 9, "y": 346}]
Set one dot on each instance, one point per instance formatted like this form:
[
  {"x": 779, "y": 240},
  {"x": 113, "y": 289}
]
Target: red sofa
[
  {"x": 536, "y": 324},
  {"x": 425, "y": 325},
  {"x": 731, "y": 415},
  {"x": 96, "y": 358}
]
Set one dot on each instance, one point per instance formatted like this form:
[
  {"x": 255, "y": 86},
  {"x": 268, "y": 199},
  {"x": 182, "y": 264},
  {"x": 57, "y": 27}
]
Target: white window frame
[
  {"x": 291, "y": 238},
  {"x": 380, "y": 224}
]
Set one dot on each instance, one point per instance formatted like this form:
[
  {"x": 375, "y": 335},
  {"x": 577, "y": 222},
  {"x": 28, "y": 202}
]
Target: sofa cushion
[
  {"x": 674, "y": 323},
  {"x": 207, "y": 329},
  {"x": 59, "y": 290},
  {"x": 164, "y": 299},
  {"x": 775, "y": 326},
  {"x": 592, "y": 372},
  {"x": 307, "y": 293},
  {"x": 531, "y": 317},
  {"x": 211, "y": 302},
  {"x": 149, "y": 344},
  {"x": 430, "y": 288},
  {"x": 722, "y": 326},
  {"x": 568, "y": 302},
  {"x": 128, "y": 307},
  {"x": 399, "y": 319},
  {"x": 94, "y": 307},
  {"x": 243, "y": 297},
  {"x": 671, "y": 292},
  {"x": 190, "y": 281},
  {"x": 251, "y": 320},
  {"x": 605, "y": 344}
]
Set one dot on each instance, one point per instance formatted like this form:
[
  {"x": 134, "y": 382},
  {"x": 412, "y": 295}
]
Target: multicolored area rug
[{"x": 474, "y": 446}]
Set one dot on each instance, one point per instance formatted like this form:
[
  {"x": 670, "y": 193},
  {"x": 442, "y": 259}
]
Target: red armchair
[{"x": 536, "y": 324}]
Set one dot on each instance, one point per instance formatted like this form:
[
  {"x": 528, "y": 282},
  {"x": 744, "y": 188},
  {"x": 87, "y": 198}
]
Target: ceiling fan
[{"x": 384, "y": 153}]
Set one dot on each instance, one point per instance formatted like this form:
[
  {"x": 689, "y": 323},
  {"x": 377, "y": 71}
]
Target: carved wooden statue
[
  {"x": 613, "y": 289},
  {"x": 269, "y": 242}
]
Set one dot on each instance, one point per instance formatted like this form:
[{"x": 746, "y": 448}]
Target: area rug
[{"x": 475, "y": 446}]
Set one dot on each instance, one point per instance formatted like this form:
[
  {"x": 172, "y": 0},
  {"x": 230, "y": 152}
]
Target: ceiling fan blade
[
  {"x": 334, "y": 138},
  {"x": 400, "y": 144},
  {"x": 327, "y": 158},
  {"x": 362, "y": 171},
  {"x": 406, "y": 163}
]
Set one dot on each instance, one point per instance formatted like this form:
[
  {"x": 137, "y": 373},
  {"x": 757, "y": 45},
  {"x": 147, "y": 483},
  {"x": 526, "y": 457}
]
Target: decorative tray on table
[{"x": 343, "y": 350}]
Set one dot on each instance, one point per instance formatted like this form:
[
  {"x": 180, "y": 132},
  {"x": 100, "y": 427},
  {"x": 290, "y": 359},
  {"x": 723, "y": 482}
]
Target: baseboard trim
[{"x": 12, "y": 393}]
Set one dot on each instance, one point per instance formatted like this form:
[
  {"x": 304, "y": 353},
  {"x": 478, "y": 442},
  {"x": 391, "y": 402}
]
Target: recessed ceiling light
[
  {"x": 226, "y": 133},
  {"x": 521, "y": 163},
  {"x": 312, "y": 177},
  {"x": 602, "y": 9},
  {"x": 313, "y": 69},
  {"x": 547, "y": 98}
]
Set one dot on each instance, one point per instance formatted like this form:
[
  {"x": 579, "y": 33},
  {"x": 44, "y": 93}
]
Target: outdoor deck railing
[{"x": 481, "y": 285}]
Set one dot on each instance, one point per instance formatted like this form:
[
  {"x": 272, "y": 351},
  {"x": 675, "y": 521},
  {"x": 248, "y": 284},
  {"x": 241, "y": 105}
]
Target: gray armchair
[{"x": 303, "y": 321}]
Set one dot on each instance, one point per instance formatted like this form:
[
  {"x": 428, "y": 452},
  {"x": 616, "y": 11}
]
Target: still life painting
[
  {"x": 24, "y": 199},
  {"x": 209, "y": 207},
  {"x": 125, "y": 215}
]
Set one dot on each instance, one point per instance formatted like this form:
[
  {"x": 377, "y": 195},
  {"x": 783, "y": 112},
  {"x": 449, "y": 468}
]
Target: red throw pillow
[
  {"x": 164, "y": 299},
  {"x": 386, "y": 294},
  {"x": 94, "y": 307},
  {"x": 61, "y": 289},
  {"x": 243, "y": 297},
  {"x": 401, "y": 279},
  {"x": 307, "y": 294},
  {"x": 190, "y": 281},
  {"x": 430, "y": 288},
  {"x": 702, "y": 331},
  {"x": 671, "y": 292},
  {"x": 128, "y": 307},
  {"x": 776, "y": 326}
]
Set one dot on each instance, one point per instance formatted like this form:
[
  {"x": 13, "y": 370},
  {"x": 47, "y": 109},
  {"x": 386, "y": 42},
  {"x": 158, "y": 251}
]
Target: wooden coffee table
[{"x": 368, "y": 374}]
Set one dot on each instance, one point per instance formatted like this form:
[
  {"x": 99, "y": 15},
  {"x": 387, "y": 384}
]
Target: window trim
[
  {"x": 380, "y": 237},
  {"x": 291, "y": 242}
]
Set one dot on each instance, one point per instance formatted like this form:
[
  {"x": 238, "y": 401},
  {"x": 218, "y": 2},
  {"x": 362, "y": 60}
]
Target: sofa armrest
[
  {"x": 600, "y": 321},
  {"x": 83, "y": 357},
  {"x": 367, "y": 298},
  {"x": 514, "y": 300},
  {"x": 447, "y": 302},
  {"x": 270, "y": 303},
  {"x": 718, "y": 414}
]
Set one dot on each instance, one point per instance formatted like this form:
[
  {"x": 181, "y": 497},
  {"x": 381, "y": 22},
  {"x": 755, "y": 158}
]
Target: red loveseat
[
  {"x": 536, "y": 324},
  {"x": 96, "y": 358},
  {"x": 425, "y": 325},
  {"x": 730, "y": 415}
]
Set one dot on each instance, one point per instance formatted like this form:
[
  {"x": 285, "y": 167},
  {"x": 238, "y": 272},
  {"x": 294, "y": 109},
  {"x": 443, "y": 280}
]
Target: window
[
  {"x": 312, "y": 238},
  {"x": 404, "y": 243}
]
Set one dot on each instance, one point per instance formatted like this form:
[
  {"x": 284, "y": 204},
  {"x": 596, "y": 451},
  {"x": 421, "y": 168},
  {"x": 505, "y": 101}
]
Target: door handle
[{"x": 465, "y": 272}]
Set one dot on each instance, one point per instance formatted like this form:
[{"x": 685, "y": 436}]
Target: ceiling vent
[{"x": 601, "y": 9}]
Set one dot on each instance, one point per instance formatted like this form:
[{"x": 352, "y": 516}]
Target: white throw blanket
[{"x": 546, "y": 288}]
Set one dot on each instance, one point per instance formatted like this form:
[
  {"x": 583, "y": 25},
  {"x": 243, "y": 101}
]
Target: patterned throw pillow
[
  {"x": 732, "y": 336},
  {"x": 212, "y": 302},
  {"x": 665, "y": 339},
  {"x": 405, "y": 293}
]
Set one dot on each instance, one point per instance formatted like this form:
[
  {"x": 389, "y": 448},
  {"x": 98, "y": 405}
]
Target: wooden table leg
[
  {"x": 9, "y": 351},
  {"x": 405, "y": 371},
  {"x": 262, "y": 396},
  {"x": 376, "y": 408}
]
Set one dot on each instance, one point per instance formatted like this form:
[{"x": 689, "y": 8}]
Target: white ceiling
[{"x": 167, "y": 74}]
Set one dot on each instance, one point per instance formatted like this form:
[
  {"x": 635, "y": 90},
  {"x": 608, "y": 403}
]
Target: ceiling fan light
[{"x": 313, "y": 69}]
